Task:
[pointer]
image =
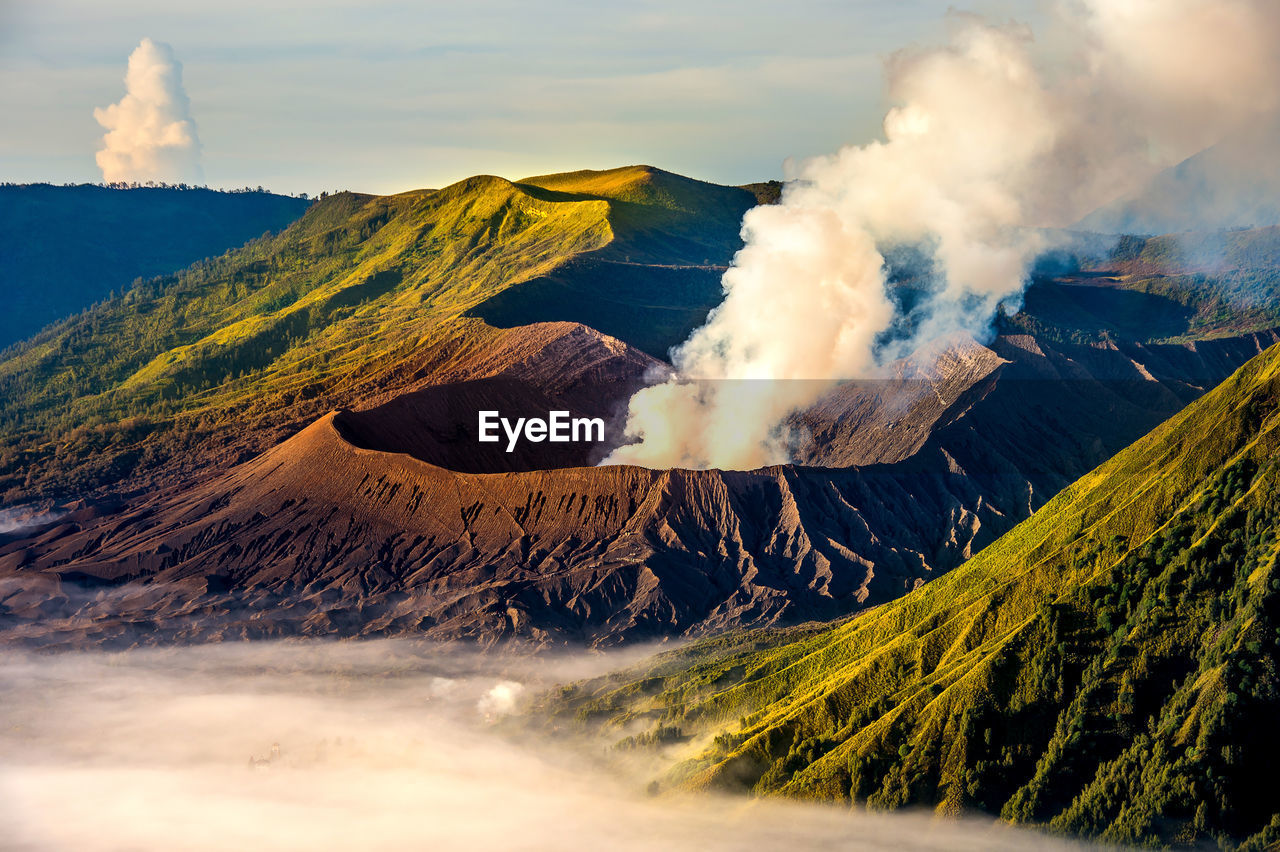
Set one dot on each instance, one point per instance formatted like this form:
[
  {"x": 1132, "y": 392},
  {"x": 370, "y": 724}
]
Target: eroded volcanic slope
[
  {"x": 246, "y": 511},
  {"x": 354, "y": 527}
]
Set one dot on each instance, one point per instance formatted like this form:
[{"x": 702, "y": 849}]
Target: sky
[{"x": 390, "y": 96}]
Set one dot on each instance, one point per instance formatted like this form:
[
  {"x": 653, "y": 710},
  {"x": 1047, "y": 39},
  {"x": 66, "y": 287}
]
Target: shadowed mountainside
[
  {"x": 1175, "y": 287},
  {"x": 63, "y": 248}
]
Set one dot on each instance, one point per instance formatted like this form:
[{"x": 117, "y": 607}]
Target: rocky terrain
[
  {"x": 393, "y": 520},
  {"x": 282, "y": 441}
]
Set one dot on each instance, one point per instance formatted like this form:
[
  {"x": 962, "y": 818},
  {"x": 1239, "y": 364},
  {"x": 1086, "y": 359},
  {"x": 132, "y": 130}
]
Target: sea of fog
[{"x": 382, "y": 745}]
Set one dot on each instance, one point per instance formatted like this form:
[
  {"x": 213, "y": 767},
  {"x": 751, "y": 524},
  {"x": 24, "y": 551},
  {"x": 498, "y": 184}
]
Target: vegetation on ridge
[
  {"x": 1172, "y": 288},
  {"x": 67, "y": 247},
  {"x": 362, "y": 294},
  {"x": 1107, "y": 668}
]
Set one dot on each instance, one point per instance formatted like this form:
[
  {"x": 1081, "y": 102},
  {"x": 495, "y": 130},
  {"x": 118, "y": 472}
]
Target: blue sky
[{"x": 389, "y": 96}]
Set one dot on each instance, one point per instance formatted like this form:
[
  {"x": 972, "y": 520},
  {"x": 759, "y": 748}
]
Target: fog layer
[{"x": 374, "y": 745}]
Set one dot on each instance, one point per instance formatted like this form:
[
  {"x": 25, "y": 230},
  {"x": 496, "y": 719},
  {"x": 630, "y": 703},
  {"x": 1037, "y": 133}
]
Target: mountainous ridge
[
  {"x": 365, "y": 297},
  {"x": 677, "y": 237},
  {"x": 359, "y": 294},
  {"x": 361, "y": 310}
]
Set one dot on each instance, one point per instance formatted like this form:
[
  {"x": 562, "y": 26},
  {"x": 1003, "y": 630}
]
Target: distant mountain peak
[{"x": 1233, "y": 184}]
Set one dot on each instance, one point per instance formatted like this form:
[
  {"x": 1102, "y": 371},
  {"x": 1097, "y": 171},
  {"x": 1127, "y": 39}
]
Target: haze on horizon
[{"x": 389, "y": 96}]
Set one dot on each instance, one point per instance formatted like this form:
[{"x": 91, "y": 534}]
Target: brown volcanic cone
[
  {"x": 320, "y": 536},
  {"x": 529, "y": 371},
  {"x": 354, "y": 527}
]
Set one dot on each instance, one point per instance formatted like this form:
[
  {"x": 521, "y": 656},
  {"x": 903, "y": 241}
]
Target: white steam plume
[
  {"x": 500, "y": 700},
  {"x": 993, "y": 138},
  {"x": 150, "y": 133}
]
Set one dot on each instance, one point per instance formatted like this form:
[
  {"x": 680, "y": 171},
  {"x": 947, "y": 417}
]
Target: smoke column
[
  {"x": 150, "y": 132},
  {"x": 994, "y": 139}
]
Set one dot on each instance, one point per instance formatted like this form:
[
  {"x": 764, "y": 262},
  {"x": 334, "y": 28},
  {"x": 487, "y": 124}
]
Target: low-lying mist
[
  {"x": 370, "y": 745},
  {"x": 19, "y": 519}
]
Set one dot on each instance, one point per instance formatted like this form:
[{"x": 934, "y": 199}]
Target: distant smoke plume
[
  {"x": 150, "y": 133},
  {"x": 501, "y": 699},
  {"x": 994, "y": 139},
  {"x": 17, "y": 519}
]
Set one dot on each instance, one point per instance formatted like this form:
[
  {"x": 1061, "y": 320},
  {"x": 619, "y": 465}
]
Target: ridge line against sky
[{"x": 389, "y": 96}]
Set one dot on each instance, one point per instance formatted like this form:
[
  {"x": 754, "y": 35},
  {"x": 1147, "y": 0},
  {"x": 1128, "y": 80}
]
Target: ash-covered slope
[
  {"x": 543, "y": 367},
  {"x": 318, "y": 536},
  {"x": 348, "y": 528},
  {"x": 1048, "y": 412}
]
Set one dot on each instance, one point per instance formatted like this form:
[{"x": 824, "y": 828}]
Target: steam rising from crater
[
  {"x": 995, "y": 138},
  {"x": 150, "y": 133}
]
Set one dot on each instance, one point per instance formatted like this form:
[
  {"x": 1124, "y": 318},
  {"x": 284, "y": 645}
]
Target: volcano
[
  {"x": 393, "y": 521},
  {"x": 301, "y": 457}
]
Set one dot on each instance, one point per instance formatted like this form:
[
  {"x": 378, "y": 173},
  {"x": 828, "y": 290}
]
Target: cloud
[
  {"x": 382, "y": 745},
  {"x": 150, "y": 133},
  {"x": 501, "y": 699}
]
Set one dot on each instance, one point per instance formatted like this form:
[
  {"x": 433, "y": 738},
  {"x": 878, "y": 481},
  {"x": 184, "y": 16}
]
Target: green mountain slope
[
  {"x": 362, "y": 295},
  {"x": 63, "y": 248},
  {"x": 1106, "y": 668},
  {"x": 674, "y": 237}
]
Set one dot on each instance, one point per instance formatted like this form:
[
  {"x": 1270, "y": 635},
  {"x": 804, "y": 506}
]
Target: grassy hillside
[
  {"x": 360, "y": 295},
  {"x": 655, "y": 283},
  {"x": 63, "y": 248},
  {"x": 1107, "y": 668}
]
